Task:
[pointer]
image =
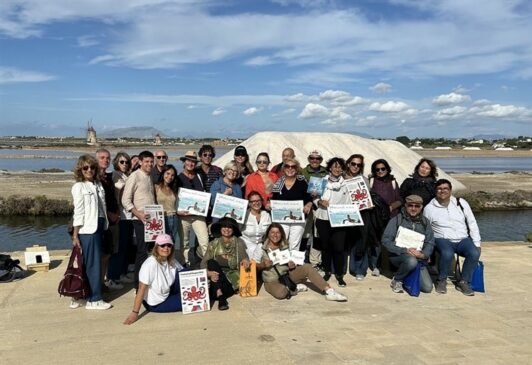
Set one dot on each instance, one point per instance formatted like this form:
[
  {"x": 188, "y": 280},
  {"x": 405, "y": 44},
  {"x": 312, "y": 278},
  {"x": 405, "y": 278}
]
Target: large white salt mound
[{"x": 401, "y": 159}]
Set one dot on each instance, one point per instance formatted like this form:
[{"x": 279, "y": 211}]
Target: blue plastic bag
[
  {"x": 411, "y": 282},
  {"x": 477, "y": 280}
]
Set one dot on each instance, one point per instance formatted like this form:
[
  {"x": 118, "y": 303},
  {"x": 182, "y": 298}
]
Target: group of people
[{"x": 109, "y": 221}]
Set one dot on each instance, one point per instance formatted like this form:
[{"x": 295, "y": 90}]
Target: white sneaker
[
  {"x": 376, "y": 272},
  {"x": 75, "y": 303},
  {"x": 127, "y": 279},
  {"x": 333, "y": 295},
  {"x": 113, "y": 285},
  {"x": 360, "y": 277},
  {"x": 301, "y": 287},
  {"x": 98, "y": 305}
]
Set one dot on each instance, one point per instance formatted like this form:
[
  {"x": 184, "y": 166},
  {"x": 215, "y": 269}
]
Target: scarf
[
  {"x": 334, "y": 183},
  {"x": 219, "y": 248},
  {"x": 279, "y": 184}
]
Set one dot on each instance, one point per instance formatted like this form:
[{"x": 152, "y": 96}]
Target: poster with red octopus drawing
[
  {"x": 154, "y": 224},
  {"x": 359, "y": 193},
  {"x": 194, "y": 291}
]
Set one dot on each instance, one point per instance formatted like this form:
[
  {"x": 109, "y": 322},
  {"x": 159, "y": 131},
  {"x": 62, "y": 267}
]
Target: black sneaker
[
  {"x": 327, "y": 276},
  {"x": 464, "y": 288},
  {"x": 222, "y": 303},
  {"x": 441, "y": 286},
  {"x": 341, "y": 282}
]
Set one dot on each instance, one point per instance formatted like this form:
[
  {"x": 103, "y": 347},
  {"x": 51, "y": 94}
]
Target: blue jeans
[
  {"x": 118, "y": 261},
  {"x": 170, "y": 225},
  {"x": 358, "y": 265},
  {"x": 465, "y": 248},
  {"x": 171, "y": 304},
  {"x": 405, "y": 263},
  {"x": 91, "y": 246}
]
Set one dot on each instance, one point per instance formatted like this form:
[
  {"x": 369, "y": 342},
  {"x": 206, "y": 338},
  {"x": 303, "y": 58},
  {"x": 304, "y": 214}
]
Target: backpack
[
  {"x": 74, "y": 283},
  {"x": 8, "y": 268}
]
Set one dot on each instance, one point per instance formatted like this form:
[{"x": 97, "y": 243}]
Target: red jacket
[{"x": 254, "y": 182}]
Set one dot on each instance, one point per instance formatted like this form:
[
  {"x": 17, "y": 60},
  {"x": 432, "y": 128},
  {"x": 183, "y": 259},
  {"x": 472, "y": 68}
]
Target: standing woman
[
  {"x": 166, "y": 195},
  {"x": 363, "y": 241},
  {"x": 222, "y": 260},
  {"x": 118, "y": 262},
  {"x": 383, "y": 183},
  {"x": 422, "y": 182},
  {"x": 226, "y": 184},
  {"x": 241, "y": 158},
  {"x": 333, "y": 239},
  {"x": 292, "y": 186},
  {"x": 262, "y": 180},
  {"x": 89, "y": 222},
  {"x": 256, "y": 223}
]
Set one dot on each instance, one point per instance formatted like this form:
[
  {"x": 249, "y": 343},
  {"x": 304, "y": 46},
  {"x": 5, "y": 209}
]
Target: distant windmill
[{"x": 91, "y": 134}]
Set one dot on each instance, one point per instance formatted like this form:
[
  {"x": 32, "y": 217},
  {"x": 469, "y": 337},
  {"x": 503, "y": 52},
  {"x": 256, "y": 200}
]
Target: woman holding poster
[
  {"x": 256, "y": 223},
  {"x": 275, "y": 242},
  {"x": 291, "y": 187},
  {"x": 333, "y": 239},
  {"x": 226, "y": 184},
  {"x": 222, "y": 260},
  {"x": 158, "y": 281}
]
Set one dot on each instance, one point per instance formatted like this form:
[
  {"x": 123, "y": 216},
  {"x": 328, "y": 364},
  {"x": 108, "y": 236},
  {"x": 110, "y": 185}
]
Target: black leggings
[
  {"x": 223, "y": 283},
  {"x": 332, "y": 246}
]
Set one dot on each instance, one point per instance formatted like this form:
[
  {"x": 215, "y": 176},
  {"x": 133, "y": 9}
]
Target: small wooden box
[{"x": 37, "y": 258}]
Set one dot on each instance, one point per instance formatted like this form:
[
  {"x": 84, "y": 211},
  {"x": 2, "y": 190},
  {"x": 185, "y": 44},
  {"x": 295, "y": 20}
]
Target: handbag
[
  {"x": 477, "y": 279},
  {"x": 411, "y": 282},
  {"x": 286, "y": 281},
  {"x": 73, "y": 283}
]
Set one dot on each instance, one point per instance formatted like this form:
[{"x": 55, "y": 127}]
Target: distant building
[
  {"x": 478, "y": 141},
  {"x": 158, "y": 141},
  {"x": 417, "y": 145},
  {"x": 91, "y": 135}
]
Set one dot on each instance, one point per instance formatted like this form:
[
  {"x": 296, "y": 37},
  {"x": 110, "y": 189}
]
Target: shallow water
[{"x": 21, "y": 232}]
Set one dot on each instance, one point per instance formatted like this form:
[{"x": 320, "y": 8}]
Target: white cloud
[
  {"x": 12, "y": 75},
  {"x": 218, "y": 111},
  {"x": 381, "y": 88},
  {"x": 251, "y": 111},
  {"x": 296, "y": 97},
  {"x": 451, "y": 98},
  {"x": 313, "y": 110},
  {"x": 87, "y": 41},
  {"x": 334, "y": 95},
  {"x": 454, "y": 112},
  {"x": 505, "y": 111},
  {"x": 192, "y": 107},
  {"x": 389, "y": 107}
]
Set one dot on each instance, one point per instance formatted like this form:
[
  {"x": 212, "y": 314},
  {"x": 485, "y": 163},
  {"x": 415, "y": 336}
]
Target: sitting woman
[
  {"x": 222, "y": 260},
  {"x": 275, "y": 239},
  {"x": 255, "y": 225},
  {"x": 158, "y": 281}
]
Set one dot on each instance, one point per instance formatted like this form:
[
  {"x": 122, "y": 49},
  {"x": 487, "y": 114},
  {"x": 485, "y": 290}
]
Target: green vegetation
[{"x": 39, "y": 205}]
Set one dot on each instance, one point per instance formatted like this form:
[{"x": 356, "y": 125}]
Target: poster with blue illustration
[
  {"x": 344, "y": 215},
  {"x": 316, "y": 185},
  {"x": 193, "y": 202},
  {"x": 230, "y": 206},
  {"x": 287, "y": 211}
]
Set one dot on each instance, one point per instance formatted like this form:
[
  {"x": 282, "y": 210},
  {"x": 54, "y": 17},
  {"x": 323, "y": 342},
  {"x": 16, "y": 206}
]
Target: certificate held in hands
[{"x": 408, "y": 238}]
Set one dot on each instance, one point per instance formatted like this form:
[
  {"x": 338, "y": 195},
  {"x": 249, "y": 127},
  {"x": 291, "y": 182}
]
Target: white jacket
[
  {"x": 85, "y": 195},
  {"x": 449, "y": 222}
]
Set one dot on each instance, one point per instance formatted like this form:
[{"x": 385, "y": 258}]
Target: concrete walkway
[{"x": 376, "y": 326}]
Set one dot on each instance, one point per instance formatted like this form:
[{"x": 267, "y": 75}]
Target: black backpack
[{"x": 8, "y": 268}]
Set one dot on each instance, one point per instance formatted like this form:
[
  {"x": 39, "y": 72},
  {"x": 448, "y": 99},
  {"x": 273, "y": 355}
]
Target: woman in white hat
[{"x": 158, "y": 281}]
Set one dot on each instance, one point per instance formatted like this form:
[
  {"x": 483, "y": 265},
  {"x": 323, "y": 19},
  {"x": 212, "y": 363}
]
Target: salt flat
[{"x": 376, "y": 326}]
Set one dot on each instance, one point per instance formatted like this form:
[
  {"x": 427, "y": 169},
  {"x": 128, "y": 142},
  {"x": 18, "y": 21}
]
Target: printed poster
[
  {"x": 194, "y": 202},
  {"x": 154, "y": 224},
  {"x": 194, "y": 291},
  {"x": 408, "y": 238},
  {"x": 316, "y": 185},
  {"x": 230, "y": 206},
  {"x": 248, "y": 280},
  {"x": 344, "y": 215},
  {"x": 287, "y": 211},
  {"x": 282, "y": 257},
  {"x": 359, "y": 193}
]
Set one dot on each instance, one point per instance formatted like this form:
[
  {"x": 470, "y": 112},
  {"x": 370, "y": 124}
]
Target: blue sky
[{"x": 432, "y": 68}]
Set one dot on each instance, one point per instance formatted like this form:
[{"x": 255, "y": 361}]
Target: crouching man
[
  {"x": 456, "y": 231},
  {"x": 406, "y": 259}
]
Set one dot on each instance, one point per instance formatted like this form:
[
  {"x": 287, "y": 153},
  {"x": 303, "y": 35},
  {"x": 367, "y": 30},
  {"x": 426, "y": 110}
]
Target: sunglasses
[
  {"x": 166, "y": 245},
  {"x": 240, "y": 154},
  {"x": 207, "y": 154},
  {"x": 315, "y": 158},
  {"x": 161, "y": 157},
  {"x": 123, "y": 162},
  {"x": 87, "y": 168},
  {"x": 354, "y": 164},
  {"x": 262, "y": 162},
  {"x": 290, "y": 167},
  {"x": 414, "y": 205},
  {"x": 255, "y": 201},
  {"x": 379, "y": 169}
]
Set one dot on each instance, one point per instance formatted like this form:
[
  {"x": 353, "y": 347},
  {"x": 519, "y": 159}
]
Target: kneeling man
[
  {"x": 406, "y": 259},
  {"x": 456, "y": 231}
]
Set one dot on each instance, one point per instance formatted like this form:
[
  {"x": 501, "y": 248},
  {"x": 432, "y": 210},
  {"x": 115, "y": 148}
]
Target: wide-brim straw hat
[
  {"x": 190, "y": 155},
  {"x": 216, "y": 228}
]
